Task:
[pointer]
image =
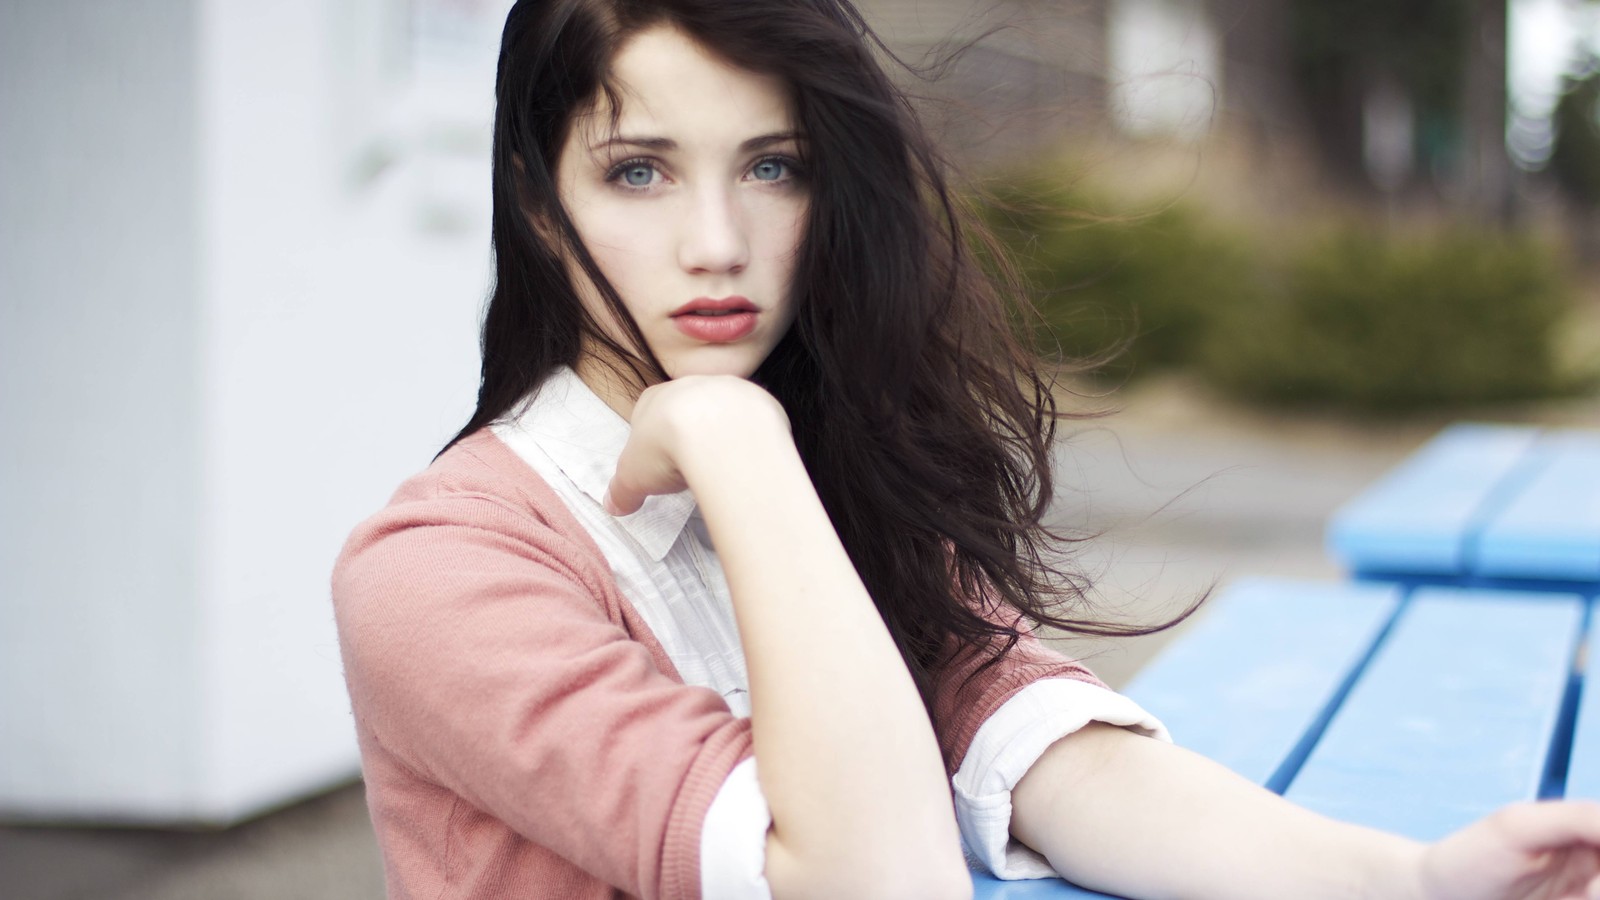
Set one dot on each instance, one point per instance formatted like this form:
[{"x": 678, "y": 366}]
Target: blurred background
[{"x": 244, "y": 246}]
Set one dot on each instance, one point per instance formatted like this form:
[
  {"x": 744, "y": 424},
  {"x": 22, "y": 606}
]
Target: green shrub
[
  {"x": 1358, "y": 317},
  {"x": 1144, "y": 283},
  {"x": 1376, "y": 321}
]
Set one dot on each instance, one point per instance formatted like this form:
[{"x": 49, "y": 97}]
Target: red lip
[
  {"x": 710, "y": 304},
  {"x": 716, "y": 321}
]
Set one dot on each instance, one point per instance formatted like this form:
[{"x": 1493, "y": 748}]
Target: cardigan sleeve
[
  {"x": 969, "y": 689},
  {"x": 480, "y": 655},
  {"x": 995, "y": 721}
]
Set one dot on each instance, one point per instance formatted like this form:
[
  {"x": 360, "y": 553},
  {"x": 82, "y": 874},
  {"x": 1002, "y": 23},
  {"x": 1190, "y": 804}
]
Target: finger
[
  {"x": 1550, "y": 825},
  {"x": 620, "y": 501}
]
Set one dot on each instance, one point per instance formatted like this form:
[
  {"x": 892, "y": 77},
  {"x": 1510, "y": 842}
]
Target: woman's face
[{"x": 694, "y": 208}]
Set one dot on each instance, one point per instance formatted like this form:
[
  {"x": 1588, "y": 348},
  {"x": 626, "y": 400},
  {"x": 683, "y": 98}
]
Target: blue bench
[
  {"x": 1441, "y": 683},
  {"x": 1415, "y": 708},
  {"x": 1490, "y": 505}
]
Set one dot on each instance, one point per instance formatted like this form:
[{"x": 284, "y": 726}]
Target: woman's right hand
[{"x": 688, "y": 419}]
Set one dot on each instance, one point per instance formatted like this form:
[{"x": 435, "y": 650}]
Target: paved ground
[{"x": 1187, "y": 491}]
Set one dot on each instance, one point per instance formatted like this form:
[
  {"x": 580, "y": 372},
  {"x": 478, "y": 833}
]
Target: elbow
[
  {"x": 931, "y": 868},
  {"x": 917, "y": 882},
  {"x": 919, "y": 879},
  {"x": 958, "y": 887},
  {"x": 935, "y": 876},
  {"x": 877, "y": 877},
  {"x": 889, "y": 886}
]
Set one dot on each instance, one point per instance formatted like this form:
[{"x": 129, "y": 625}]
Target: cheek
[
  {"x": 613, "y": 231},
  {"x": 780, "y": 246},
  {"x": 589, "y": 295},
  {"x": 780, "y": 230},
  {"x": 623, "y": 243}
]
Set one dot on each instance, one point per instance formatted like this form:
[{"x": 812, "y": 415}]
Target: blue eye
[
  {"x": 638, "y": 175},
  {"x": 768, "y": 170}
]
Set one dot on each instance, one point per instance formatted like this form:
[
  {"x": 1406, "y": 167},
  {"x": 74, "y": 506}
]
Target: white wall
[
  {"x": 219, "y": 351},
  {"x": 341, "y": 354},
  {"x": 99, "y": 403}
]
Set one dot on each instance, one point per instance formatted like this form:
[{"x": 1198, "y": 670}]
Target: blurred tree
[
  {"x": 1444, "y": 59},
  {"x": 1575, "y": 160},
  {"x": 1483, "y": 182},
  {"x": 1344, "y": 50},
  {"x": 1259, "y": 83}
]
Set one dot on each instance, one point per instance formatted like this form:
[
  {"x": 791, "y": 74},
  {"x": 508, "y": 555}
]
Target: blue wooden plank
[
  {"x": 1417, "y": 518},
  {"x": 1453, "y": 717},
  {"x": 987, "y": 887},
  {"x": 1583, "y": 767},
  {"x": 1246, "y": 681},
  {"x": 1260, "y": 667},
  {"x": 1551, "y": 528}
]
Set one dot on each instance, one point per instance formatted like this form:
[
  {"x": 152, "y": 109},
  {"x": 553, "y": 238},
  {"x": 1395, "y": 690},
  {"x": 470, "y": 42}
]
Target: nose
[{"x": 713, "y": 236}]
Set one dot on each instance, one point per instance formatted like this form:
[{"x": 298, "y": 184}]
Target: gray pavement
[
  {"x": 1186, "y": 492},
  {"x": 320, "y": 849}
]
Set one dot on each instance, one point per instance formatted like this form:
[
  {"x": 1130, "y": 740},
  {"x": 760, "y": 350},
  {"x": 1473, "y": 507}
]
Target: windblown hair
[{"x": 924, "y": 421}]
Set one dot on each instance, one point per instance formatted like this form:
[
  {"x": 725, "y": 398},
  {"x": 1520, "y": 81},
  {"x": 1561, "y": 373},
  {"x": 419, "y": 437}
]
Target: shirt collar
[{"x": 584, "y": 437}]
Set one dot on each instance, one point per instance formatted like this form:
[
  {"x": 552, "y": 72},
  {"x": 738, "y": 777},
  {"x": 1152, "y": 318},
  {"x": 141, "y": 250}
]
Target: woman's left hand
[{"x": 1548, "y": 851}]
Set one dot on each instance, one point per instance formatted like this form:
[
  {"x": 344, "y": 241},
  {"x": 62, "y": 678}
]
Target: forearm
[
  {"x": 1139, "y": 817},
  {"x": 847, "y": 757}
]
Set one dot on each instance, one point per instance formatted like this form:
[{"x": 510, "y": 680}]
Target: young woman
[{"x": 725, "y": 589}]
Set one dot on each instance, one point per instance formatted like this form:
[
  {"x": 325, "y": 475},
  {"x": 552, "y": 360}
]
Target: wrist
[
  {"x": 1393, "y": 868},
  {"x": 724, "y": 421}
]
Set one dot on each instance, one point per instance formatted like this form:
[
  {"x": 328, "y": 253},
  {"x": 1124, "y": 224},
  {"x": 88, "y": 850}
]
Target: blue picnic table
[
  {"x": 1492, "y": 505},
  {"x": 1445, "y": 680}
]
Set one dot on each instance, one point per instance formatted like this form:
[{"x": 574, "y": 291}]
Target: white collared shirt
[{"x": 667, "y": 569}]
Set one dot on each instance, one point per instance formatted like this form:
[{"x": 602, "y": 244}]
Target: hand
[
  {"x": 1549, "y": 851},
  {"x": 691, "y": 416}
]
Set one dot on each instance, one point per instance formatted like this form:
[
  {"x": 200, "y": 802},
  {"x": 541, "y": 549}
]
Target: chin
[{"x": 728, "y": 364}]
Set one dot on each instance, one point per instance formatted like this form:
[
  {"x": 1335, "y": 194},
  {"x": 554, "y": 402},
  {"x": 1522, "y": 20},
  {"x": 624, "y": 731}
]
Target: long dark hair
[{"x": 924, "y": 421}]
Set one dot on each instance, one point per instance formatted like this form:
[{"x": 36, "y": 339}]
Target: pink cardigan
[{"x": 522, "y": 732}]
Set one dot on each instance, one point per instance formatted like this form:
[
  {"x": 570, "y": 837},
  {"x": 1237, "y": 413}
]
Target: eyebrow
[{"x": 759, "y": 142}]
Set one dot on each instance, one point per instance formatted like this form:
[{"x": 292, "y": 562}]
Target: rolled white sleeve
[
  {"x": 1008, "y": 744},
  {"x": 733, "y": 841}
]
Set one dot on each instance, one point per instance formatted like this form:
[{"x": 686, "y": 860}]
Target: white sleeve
[
  {"x": 733, "y": 841},
  {"x": 1008, "y": 744}
]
